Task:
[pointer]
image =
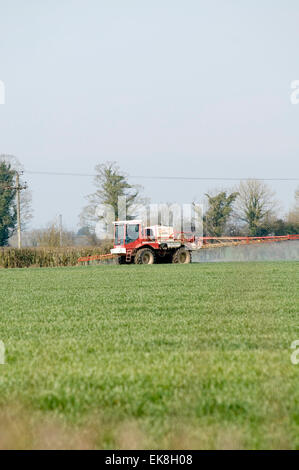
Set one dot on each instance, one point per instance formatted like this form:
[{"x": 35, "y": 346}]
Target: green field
[{"x": 162, "y": 356}]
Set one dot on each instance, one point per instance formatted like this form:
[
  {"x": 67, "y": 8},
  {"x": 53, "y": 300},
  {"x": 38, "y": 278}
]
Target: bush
[{"x": 47, "y": 257}]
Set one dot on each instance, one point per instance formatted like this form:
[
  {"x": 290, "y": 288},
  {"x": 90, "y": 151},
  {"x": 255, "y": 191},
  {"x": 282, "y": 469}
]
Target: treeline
[{"x": 249, "y": 210}]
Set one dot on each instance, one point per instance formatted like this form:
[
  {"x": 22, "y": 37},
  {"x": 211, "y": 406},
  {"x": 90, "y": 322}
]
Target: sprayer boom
[{"x": 216, "y": 242}]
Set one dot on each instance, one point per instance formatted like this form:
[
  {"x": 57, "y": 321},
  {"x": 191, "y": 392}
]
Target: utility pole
[{"x": 18, "y": 189}]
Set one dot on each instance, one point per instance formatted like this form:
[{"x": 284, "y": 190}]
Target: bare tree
[
  {"x": 52, "y": 236},
  {"x": 293, "y": 216},
  {"x": 254, "y": 205}
]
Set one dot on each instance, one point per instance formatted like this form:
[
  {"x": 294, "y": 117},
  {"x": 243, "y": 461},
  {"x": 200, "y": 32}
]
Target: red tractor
[{"x": 134, "y": 243}]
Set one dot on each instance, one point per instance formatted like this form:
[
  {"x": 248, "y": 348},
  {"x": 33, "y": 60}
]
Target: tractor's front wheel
[
  {"x": 145, "y": 256},
  {"x": 181, "y": 256}
]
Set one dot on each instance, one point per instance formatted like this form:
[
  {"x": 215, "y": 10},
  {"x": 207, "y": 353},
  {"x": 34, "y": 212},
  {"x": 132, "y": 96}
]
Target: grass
[{"x": 167, "y": 356}]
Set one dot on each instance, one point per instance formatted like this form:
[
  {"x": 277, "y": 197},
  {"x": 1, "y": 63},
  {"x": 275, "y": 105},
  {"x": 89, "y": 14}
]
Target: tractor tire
[
  {"x": 182, "y": 256},
  {"x": 145, "y": 256},
  {"x": 120, "y": 260}
]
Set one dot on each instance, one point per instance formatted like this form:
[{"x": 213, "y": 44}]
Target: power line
[
  {"x": 56, "y": 173},
  {"x": 176, "y": 178},
  {"x": 198, "y": 178}
]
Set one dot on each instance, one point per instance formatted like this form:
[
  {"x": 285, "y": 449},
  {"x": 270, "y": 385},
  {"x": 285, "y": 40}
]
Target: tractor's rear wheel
[
  {"x": 181, "y": 256},
  {"x": 145, "y": 256}
]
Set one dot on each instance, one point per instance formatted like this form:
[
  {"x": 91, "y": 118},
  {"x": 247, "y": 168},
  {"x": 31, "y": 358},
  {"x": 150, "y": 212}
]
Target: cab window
[
  {"x": 132, "y": 233},
  {"x": 119, "y": 235},
  {"x": 149, "y": 233}
]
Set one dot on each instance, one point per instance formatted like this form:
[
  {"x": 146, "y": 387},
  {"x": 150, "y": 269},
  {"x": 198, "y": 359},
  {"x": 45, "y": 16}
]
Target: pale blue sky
[{"x": 194, "y": 88}]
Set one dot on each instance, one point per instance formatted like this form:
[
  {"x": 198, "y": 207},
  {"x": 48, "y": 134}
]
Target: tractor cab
[{"x": 126, "y": 235}]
